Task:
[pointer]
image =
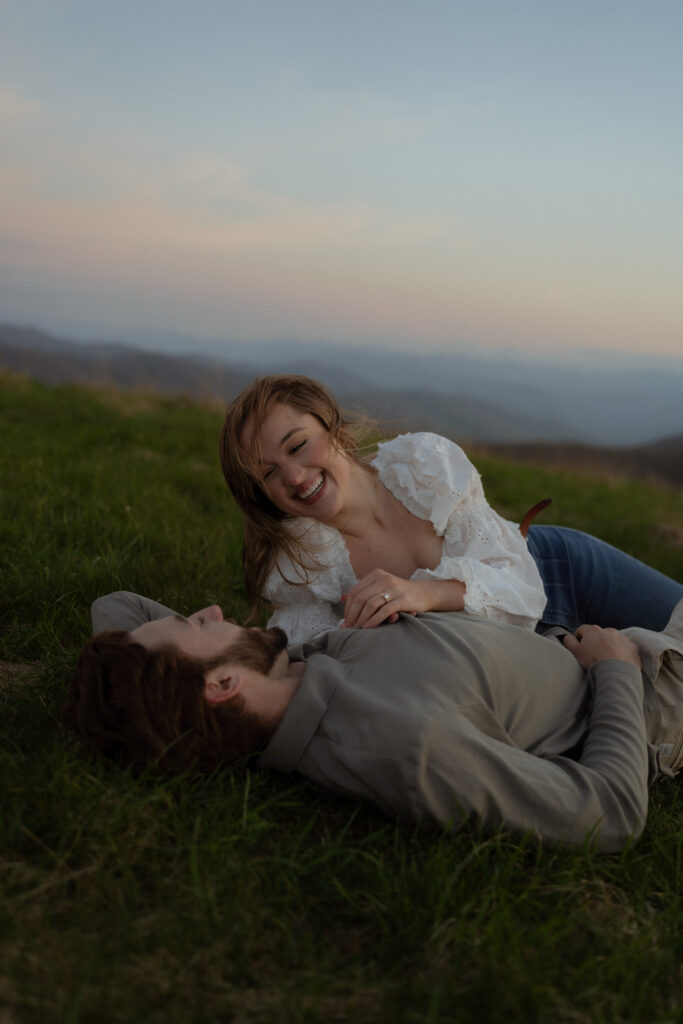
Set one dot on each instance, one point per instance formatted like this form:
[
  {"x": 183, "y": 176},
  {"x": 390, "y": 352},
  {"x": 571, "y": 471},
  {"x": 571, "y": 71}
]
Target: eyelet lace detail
[{"x": 435, "y": 481}]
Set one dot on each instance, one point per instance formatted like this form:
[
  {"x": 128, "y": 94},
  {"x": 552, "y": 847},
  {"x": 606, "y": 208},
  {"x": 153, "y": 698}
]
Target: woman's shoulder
[
  {"x": 430, "y": 475},
  {"x": 423, "y": 452}
]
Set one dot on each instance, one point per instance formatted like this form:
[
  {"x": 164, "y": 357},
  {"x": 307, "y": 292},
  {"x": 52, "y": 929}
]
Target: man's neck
[{"x": 271, "y": 698}]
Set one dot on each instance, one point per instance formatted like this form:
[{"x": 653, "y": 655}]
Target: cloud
[
  {"x": 99, "y": 201},
  {"x": 195, "y": 239}
]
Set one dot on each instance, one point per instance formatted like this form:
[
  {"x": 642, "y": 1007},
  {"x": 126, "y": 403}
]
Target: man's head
[{"x": 181, "y": 692}]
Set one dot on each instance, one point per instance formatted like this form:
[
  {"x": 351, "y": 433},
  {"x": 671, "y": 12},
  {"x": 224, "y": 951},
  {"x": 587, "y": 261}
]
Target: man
[{"x": 437, "y": 719}]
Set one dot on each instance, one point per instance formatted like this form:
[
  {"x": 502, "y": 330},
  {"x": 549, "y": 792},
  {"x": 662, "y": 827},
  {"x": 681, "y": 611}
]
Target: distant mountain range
[{"x": 470, "y": 399}]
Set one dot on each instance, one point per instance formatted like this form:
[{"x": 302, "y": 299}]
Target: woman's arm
[
  {"x": 303, "y": 620},
  {"x": 303, "y": 609},
  {"x": 486, "y": 568},
  {"x": 380, "y": 596}
]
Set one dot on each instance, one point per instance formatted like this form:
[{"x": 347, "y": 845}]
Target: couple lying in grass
[{"x": 422, "y": 652}]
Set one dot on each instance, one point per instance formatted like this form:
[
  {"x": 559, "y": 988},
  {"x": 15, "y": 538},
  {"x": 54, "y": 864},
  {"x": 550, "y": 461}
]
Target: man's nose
[{"x": 211, "y": 614}]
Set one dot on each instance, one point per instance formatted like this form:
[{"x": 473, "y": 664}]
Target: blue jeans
[{"x": 587, "y": 580}]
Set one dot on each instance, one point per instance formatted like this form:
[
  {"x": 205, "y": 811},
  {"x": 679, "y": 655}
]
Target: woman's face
[{"x": 304, "y": 474}]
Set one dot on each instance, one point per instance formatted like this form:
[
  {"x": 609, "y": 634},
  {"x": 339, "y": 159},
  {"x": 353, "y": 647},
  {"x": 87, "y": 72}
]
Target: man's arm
[
  {"x": 125, "y": 610},
  {"x": 563, "y": 801}
]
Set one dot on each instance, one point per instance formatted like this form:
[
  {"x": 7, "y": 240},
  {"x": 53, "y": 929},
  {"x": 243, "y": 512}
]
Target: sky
[{"x": 488, "y": 176}]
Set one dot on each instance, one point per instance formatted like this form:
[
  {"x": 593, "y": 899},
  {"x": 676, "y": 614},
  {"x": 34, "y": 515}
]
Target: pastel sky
[{"x": 489, "y": 175}]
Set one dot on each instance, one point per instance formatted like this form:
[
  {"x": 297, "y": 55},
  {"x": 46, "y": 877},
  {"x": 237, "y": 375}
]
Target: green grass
[{"x": 247, "y": 897}]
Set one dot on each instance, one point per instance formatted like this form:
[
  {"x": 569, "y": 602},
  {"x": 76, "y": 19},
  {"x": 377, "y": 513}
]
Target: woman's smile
[
  {"x": 303, "y": 473},
  {"x": 313, "y": 491}
]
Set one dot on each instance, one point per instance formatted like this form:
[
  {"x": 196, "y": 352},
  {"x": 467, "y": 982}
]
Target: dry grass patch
[{"x": 13, "y": 673}]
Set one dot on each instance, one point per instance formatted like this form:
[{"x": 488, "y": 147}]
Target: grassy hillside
[{"x": 247, "y": 897}]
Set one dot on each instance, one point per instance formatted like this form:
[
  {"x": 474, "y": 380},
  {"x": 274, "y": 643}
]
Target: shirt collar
[{"x": 300, "y": 722}]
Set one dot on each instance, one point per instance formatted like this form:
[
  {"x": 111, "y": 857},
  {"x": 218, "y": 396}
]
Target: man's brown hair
[{"x": 144, "y": 707}]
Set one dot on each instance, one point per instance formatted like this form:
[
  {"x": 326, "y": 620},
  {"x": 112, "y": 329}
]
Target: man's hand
[{"x": 593, "y": 643}]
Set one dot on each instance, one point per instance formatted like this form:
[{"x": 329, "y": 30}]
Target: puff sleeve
[
  {"x": 307, "y": 600},
  {"x": 435, "y": 480}
]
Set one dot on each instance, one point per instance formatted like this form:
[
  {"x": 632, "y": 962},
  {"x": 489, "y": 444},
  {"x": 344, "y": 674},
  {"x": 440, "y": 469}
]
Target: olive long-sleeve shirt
[{"x": 443, "y": 718}]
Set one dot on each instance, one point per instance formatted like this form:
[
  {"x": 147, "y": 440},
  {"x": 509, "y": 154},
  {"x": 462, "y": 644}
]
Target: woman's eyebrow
[
  {"x": 289, "y": 434},
  {"x": 181, "y": 618}
]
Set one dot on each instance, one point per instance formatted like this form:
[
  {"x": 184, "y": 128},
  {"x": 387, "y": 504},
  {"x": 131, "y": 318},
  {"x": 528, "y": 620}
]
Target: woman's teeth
[{"x": 312, "y": 490}]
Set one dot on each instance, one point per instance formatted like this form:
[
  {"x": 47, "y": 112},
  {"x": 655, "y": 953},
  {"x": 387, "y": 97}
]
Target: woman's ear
[{"x": 222, "y": 684}]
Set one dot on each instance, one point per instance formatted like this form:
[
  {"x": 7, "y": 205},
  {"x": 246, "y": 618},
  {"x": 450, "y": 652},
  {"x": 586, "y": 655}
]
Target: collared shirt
[{"x": 449, "y": 717}]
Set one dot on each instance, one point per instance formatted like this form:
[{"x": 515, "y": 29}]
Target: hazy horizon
[{"x": 225, "y": 348}]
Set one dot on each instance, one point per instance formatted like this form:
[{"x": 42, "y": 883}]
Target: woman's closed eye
[{"x": 270, "y": 472}]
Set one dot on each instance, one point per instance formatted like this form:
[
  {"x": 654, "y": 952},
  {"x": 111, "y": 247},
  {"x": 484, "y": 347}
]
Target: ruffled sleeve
[
  {"x": 435, "y": 480},
  {"x": 307, "y": 601}
]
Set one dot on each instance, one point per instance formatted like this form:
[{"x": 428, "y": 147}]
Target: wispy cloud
[
  {"x": 118, "y": 192},
  {"x": 125, "y": 221}
]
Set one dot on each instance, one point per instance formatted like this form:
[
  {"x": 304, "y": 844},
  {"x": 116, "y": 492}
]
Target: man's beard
[{"x": 259, "y": 649}]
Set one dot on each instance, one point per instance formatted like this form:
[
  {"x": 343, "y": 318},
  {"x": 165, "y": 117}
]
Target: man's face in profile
[{"x": 206, "y": 635}]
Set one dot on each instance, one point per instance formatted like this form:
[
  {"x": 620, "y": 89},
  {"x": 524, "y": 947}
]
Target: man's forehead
[{"x": 158, "y": 627}]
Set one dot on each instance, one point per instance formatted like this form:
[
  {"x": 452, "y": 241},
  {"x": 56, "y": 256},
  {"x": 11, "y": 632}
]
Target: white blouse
[{"x": 434, "y": 479}]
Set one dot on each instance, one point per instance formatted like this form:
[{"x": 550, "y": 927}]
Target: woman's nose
[{"x": 294, "y": 474}]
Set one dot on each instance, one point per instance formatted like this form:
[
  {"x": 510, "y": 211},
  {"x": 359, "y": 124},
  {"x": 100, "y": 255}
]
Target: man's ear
[{"x": 222, "y": 683}]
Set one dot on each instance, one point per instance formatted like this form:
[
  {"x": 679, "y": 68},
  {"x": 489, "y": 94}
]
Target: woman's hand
[{"x": 380, "y": 596}]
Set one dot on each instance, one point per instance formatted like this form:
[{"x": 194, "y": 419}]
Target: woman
[{"x": 330, "y": 536}]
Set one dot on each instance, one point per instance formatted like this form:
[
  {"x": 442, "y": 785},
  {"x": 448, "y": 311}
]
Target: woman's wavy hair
[
  {"x": 143, "y": 707},
  {"x": 265, "y": 532}
]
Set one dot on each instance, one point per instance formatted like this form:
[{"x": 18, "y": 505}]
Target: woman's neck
[{"x": 363, "y": 509}]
